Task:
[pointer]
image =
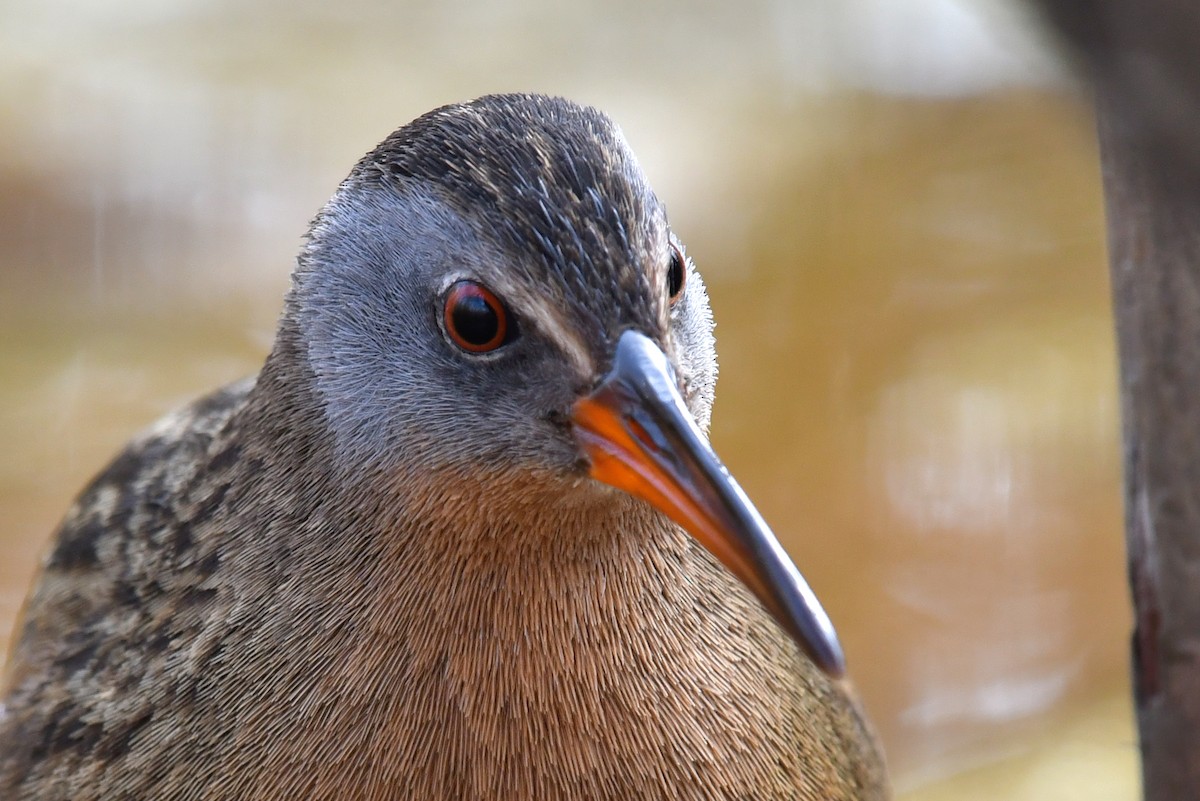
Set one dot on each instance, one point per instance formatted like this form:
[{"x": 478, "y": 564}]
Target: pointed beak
[{"x": 640, "y": 437}]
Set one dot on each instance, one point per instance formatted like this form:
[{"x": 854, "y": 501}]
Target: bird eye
[
  {"x": 676, "y": 273},
  {"x": 475, "y": 319}
]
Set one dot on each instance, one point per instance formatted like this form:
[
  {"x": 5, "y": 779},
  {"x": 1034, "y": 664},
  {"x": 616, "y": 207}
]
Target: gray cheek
[
  {"x": 364, "y": 300},
  {"x": 396, "y": 395}
]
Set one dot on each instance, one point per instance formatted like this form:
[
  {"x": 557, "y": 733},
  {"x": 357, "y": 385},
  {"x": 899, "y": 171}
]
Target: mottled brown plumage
[{"x": 380, "y": 569}]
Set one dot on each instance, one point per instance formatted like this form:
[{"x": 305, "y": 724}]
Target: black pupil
[
  {"x": 675, "y": 275},
  {"x": 474, "y": 319}
]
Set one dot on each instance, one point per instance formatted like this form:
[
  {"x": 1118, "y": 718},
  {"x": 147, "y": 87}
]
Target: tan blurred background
[{"x": 895, "y": 203}]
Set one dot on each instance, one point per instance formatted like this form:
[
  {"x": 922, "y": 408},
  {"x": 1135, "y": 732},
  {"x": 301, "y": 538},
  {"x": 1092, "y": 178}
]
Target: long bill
[{"x": 640, "y": 437}]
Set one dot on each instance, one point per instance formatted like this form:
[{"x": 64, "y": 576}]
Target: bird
[{"x": 463, "y": 536}]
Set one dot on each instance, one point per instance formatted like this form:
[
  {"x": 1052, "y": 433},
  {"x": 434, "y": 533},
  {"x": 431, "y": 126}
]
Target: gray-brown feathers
[
  {"x": 125, "y": 614},
  {"x": 379, "y": 571},
  {"x": 541, "y": 200},
  {"x": 550, "y": 184}
]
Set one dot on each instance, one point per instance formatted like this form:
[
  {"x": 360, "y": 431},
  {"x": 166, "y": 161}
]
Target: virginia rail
[{"x": 461, "y": 538}]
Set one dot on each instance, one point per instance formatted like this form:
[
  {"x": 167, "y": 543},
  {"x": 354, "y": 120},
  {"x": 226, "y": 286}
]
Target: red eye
[
  {"x": 475, "y": 319},
  {"x": 676, "y": 273}
]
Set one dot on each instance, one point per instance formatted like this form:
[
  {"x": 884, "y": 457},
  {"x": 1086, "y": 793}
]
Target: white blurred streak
[
  {"x": 940, "y": 48},
  {"x": 1002, "y": 699},
  {"x": 959, "y": 444},
  {"x": 952, "y": 457},
  {"x": 954, "y": 441},
  {"x": 932, "y": 48}
]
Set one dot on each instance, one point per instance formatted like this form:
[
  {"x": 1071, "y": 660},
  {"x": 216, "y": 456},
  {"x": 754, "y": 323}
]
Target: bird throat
[
  {"x": 594, "y": 664},
  {"x": 429, "y": 649}
]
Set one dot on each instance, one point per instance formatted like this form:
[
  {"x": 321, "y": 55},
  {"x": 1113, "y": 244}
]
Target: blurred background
[{"x": 896, "y": 205}]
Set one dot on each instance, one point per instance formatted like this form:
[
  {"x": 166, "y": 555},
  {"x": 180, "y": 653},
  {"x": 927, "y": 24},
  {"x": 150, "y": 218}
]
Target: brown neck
[
  {"x": 436, "y": 649},
  {"x": 612, "y": 666}
]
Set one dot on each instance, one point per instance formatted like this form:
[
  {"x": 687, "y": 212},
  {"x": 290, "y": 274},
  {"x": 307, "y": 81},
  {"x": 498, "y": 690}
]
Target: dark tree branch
[
  {"x": 1154, "y": 242},
  {"x": 1143, "y": 58}
]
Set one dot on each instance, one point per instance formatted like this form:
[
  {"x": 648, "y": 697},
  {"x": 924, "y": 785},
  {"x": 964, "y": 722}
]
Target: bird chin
[{"x": 586, "y": 494}]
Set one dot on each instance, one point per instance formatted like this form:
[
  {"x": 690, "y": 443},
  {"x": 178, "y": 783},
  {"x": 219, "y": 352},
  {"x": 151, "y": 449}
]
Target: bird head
[{"x": 495, "y": 292}]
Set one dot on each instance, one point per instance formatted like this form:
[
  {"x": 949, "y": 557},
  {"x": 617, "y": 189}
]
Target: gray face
[
  {"x": 541, "y": 202},
  {"x": 605, "y": 376}
]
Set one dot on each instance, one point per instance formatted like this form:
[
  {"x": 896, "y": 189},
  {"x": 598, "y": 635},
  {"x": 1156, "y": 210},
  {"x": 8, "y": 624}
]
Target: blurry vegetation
[{"x": 917, "y": 384}]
